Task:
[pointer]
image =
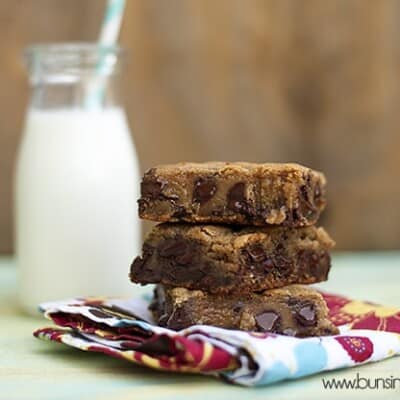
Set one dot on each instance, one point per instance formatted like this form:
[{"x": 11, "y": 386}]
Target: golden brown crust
[
  {"x": 224, "y": 259},
  {"x": 294, "y": 310},
  {"x": 233, "y": 193}
]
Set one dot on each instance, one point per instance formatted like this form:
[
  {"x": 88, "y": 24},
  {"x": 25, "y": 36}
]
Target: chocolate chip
[
  {"x": 306, "y": 316},
  {"x": 152, "y": 189},
  {"x": 258, "y": 260},
  {"x": 237, "y": 198},
  {"x": 176, "y": 248},
  {"x": 267, "y": 321},
  {"x": 257, "y": 253},
  {"x": 204, "y": 190}
]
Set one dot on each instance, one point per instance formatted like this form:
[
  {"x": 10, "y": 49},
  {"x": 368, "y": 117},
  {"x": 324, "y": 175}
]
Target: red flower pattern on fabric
[
  {"x": 362, "y": 314},
  {"x": 358, "y": 348}
]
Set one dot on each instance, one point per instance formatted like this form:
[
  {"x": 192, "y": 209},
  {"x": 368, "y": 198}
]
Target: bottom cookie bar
[{"x": 293, "y": 310}]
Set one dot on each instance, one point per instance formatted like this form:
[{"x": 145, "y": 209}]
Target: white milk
[{"x": 77, "y": 183}]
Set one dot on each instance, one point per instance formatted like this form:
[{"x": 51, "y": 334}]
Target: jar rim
[
  {"x": 69, "y": 48},
  {"x": 56, "y": 61}
]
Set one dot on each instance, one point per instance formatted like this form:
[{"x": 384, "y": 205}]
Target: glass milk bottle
[{"x": 77, "y": 179}]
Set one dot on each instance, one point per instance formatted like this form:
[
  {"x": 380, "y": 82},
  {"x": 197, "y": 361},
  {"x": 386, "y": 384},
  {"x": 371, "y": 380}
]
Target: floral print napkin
[{"x": 124, "y": 329}]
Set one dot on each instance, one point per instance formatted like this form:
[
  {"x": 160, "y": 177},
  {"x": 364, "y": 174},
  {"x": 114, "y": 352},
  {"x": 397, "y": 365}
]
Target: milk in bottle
[{"x": 77, "y": 182}]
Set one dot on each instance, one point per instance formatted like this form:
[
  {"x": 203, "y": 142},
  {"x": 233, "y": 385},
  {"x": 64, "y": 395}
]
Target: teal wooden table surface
[{"x": 32, "y": 369}]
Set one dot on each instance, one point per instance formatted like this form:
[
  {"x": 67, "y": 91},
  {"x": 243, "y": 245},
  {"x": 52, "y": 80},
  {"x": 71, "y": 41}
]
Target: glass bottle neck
[
  {"x": 78, "y": 94},
  {"x": 79, "y": 76}
]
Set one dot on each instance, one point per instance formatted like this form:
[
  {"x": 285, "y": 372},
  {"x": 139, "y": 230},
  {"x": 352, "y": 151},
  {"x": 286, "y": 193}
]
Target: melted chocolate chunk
[
  {"x": 255, "y": 255},
  {"x": 237, "y": 198},
  {"x": 176, "y": 248},
  {"x": 306, "y": 316},
  {"x": 267, "y": 321},
  {"x": 204, "y": 190}
]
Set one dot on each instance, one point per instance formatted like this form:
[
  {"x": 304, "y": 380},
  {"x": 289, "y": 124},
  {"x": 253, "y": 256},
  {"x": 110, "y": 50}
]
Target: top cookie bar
[{"x": 233, "y": 193}]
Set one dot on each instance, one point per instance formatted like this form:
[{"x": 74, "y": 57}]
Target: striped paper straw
[
  {"x": 112, "y": 22},
  {"x": 108, "y": 37}
]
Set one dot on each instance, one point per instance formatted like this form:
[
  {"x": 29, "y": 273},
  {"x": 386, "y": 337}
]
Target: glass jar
[{"x": 77, "y": 178}]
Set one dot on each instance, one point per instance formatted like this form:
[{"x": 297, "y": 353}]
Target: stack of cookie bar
[{"x": 235, "y": 247}]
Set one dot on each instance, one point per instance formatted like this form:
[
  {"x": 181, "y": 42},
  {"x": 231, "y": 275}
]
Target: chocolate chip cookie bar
[
  {"x": 294, "y": 310},
  {"x": 225, "y": 259},
  {"x": 233, "y": 193}
]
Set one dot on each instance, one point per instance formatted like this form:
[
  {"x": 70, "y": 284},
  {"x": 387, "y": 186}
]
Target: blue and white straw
[
  {"x": 108, "y": 37},
  {"x": 112, "y": 22}
]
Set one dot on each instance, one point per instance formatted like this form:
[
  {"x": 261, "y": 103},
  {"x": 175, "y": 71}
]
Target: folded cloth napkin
[{"x": 124, "y": 329}]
